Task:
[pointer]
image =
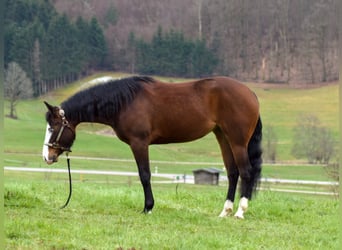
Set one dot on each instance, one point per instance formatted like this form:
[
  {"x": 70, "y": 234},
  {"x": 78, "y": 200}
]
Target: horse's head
[{"x": 59, "y": 135}]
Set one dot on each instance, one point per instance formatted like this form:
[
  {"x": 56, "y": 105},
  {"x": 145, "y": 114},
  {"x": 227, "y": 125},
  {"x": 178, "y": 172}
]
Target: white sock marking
[
  {"x": 227, "y": 208},
  {"x": 243, "y": 205}
]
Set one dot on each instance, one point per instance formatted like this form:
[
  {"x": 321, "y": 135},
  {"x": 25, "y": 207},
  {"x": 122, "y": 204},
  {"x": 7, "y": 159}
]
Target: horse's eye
[{"x": 51, "y": 130}]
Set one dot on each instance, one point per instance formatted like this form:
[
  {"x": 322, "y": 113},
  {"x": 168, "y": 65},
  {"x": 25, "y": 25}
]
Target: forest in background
[
  {"x": 282, "y": 41},
  {"x": 262, "y": 40}
]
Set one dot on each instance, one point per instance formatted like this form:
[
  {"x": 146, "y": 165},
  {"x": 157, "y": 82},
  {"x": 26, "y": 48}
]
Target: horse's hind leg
[
  {"x": 242, "y": 161},
  {"x": 249, "y": 162},
  {"x": 238, "y": 165},
  {"x": 232, "y": 172}
]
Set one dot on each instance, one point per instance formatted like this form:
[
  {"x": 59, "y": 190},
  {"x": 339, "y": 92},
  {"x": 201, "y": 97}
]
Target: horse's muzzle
[{"x": 50, "y": 161}]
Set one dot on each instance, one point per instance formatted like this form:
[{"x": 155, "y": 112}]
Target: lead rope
[{"x": 70, "y": 185}]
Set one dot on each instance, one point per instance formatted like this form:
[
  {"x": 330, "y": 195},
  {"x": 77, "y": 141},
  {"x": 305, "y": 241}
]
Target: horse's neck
[
  {"x": 87, "y": 118},
  {"x": 88, "y": 110}
]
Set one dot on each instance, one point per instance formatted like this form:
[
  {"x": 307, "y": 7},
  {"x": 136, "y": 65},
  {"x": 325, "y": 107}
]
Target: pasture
[
  {"x": 104, "y": 212},
  {"x": 108, "y": 216}
]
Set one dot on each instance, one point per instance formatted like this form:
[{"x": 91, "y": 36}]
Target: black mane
[{"x": 104, "y": 100}]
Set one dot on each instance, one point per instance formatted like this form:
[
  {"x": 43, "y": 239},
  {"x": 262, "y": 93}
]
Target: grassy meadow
[
  {"x": 104, "y": 212},
  {"x": 107, "y": 216}
]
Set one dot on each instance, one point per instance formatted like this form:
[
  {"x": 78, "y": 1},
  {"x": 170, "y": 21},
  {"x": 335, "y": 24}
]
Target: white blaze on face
[{"x": 48, "y": 134}]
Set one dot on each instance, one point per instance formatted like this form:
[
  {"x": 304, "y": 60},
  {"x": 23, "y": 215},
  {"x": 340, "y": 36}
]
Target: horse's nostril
[
  {"x": 51, "y": 160},
  {"x": 54, "y": 158},
  {"x": 48, "y": 161}
]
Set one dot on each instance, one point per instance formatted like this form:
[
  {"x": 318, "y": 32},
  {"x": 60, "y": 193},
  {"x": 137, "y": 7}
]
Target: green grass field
[
  {"x": 107, "y": 216},
  {"x": 105, "y": 211}
]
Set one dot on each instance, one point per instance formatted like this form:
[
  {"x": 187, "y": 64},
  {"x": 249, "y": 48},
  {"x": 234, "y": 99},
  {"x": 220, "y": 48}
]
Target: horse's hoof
[
  {"x": 145, "y": 211},
  {"x": 226, "y": 212},
  {"x": 239, "y": 216}
]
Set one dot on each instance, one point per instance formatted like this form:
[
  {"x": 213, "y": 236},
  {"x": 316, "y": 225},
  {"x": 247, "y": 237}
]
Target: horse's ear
[
  {"x": 55, "y": 111},
  {"x": 50, "y": 107}
]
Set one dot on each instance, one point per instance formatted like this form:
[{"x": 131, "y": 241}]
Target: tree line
[
  {"x": 172, "y": 54},
  {"x": 53, "y": 50},
  {"x": 50, "y": 48},
  {"x": 282, "y": 41},
  {"x": 56, "y": 42}
]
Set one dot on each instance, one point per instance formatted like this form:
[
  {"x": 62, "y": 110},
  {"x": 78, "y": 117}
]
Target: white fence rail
[{"x": 189, "y": 179}]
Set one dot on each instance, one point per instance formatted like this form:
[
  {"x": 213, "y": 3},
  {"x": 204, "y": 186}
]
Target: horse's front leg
[{"x": 140, "y": 151}]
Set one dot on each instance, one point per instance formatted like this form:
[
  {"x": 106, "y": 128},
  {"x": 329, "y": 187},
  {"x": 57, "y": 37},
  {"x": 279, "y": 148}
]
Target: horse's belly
[
  {"x": 166, "y": 140},
  {"x": 177, "y": 132}
]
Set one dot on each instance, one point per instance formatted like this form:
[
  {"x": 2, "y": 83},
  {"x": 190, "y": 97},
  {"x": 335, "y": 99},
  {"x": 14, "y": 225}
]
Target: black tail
[{"x": 254, "y": 153}]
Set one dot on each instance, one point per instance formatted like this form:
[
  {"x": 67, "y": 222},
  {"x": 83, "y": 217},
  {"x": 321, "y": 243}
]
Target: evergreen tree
[
  {"x": 172, "y": 54},
  {"x": 203, "y": 60},
  {"x": 97, "y": 44},
  {"x": 21, "y": 45},
  {"x": 131, "y": 52},
  {"x": 83, "y": 35},
  {"x": 48, "y": 46},
  {"x": 143, "y": 54},
  {"x": 61, "y": 60}
]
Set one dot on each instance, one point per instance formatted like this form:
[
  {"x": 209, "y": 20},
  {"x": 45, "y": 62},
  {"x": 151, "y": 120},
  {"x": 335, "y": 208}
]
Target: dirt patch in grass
[{"x": 106, "y": 132}]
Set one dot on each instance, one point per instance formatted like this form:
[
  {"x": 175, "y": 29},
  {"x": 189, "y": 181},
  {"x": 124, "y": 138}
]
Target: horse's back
[
  {"x": 227, "y": 95},
  {"x": 178, "y": 112}
]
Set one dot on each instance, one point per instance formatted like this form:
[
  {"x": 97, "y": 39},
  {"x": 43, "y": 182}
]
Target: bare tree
[
  {"x": 312, "y": 140},
  {"x": 270, "y": 142},
  {"x": 199, "y": 19},
  {"x": 36, "y": 54},
  {"x": 321, "y": 27},
  {"x": 17, "y": 86}
]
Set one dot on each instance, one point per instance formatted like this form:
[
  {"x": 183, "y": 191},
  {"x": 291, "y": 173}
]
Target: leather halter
[{"x": 55, "y": 144}]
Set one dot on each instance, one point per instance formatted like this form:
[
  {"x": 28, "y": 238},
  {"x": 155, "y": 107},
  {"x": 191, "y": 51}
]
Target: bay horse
[{"x": 143, "y": 111}]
